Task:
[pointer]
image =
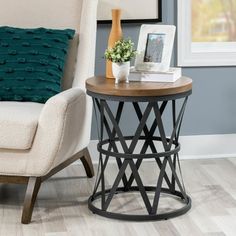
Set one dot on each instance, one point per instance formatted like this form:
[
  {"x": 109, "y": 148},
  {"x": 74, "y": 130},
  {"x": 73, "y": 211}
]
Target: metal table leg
[{"x": 126, "y": 158}]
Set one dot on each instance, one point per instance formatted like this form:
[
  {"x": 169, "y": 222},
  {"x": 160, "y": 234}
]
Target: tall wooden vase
[{"x": 115, "y": 35}]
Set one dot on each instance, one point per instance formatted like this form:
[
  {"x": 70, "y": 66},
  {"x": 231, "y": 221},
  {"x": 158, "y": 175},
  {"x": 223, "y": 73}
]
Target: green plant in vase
[{"x": 120, "y": 56}]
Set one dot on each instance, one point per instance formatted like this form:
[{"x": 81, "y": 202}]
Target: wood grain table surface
[{"x": 104, "y": 86}]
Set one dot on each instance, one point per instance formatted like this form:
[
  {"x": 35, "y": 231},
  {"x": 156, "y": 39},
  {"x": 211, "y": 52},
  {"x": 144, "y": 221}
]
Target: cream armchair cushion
[
  {"x": 60, "y": 123},
  {"x": 18, "y": 124}
]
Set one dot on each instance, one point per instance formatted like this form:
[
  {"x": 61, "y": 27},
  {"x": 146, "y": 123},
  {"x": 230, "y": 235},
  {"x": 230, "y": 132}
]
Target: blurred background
[{"x": 213, "y": 20}]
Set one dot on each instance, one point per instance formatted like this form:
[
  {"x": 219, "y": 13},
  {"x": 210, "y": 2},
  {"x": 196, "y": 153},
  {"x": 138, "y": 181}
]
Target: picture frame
[
  {"x": 133, "y": 11},
  {"x": 155, "y": 46},
  {"x": 201, "y": 53}
]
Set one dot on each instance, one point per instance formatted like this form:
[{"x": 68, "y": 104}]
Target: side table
[{"x": 148, "y": 101}]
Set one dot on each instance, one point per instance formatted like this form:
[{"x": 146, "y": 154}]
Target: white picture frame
[
  {"x": 200, "y": 54},
  {"x": 155, "y": 46}
]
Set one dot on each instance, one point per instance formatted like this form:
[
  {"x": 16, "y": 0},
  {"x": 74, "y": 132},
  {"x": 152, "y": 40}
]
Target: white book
[{"x": 172, "y": 75}]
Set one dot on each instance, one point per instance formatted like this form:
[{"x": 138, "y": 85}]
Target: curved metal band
[
  {"x": 128, "y": 217},
  {"x": 137, "y": 156},
  {"x": 139, "y": 98}
]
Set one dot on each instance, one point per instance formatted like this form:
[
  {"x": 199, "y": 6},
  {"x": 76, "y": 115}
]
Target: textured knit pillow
[{"x": 32, "y": 63}]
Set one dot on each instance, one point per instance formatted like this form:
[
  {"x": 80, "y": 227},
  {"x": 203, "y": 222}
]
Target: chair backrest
[{"x": 58, "y": 14}]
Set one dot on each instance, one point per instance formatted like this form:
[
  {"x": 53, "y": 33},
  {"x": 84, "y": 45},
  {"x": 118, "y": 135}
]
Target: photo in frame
[
  {"x": 133, "y": 11},
  {"x": 155, "y": 47}
]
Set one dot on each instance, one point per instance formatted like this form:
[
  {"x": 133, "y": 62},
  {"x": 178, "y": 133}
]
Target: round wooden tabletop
[{"x": 104, "y": 86}]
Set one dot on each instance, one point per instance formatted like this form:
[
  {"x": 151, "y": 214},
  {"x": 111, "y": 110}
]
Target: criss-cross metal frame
[{"x": 108, "y": 148}]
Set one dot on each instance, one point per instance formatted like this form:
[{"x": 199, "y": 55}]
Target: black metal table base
[
  {"x": 146, "y": 138},
  {"x": 148, "y": 217}
]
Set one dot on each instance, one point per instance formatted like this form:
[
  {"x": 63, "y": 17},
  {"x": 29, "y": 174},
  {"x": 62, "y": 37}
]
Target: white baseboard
[
  {"x": 208, "y": 146},
  {"x": 195, "y": 147}
]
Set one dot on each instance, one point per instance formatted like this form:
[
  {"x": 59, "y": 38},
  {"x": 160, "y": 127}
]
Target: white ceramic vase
[{"x": 120, "y": 71}]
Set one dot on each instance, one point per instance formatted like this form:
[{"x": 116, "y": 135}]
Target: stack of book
[{"x": 172, "y": 75}]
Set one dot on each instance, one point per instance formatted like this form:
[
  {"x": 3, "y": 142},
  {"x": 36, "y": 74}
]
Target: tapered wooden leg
[
  {"x": 87, "y": 163},
  {"x": 34, "y": 184}
]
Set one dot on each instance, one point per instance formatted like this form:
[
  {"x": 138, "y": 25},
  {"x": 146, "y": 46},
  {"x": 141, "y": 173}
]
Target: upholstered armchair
[{"x": 38, "y": 140}]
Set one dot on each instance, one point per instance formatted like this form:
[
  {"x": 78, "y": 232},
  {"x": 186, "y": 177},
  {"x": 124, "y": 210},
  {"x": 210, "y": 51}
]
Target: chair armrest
[
  {"x": 61, "y": 128},
  {"x": 64, "y": 99}
]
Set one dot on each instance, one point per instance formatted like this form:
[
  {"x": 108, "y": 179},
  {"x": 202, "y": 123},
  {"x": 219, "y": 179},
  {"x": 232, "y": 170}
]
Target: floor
[{"x": 61, "y": 209}]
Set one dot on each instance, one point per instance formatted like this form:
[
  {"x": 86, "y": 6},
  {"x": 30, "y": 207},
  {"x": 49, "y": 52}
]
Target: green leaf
[{"x": 122, "y": 51}]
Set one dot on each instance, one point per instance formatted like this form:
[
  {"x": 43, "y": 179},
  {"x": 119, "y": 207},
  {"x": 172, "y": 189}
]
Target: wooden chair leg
[
  {"x": 87, "y": 163},
  {"x": 33, "y": 186}
]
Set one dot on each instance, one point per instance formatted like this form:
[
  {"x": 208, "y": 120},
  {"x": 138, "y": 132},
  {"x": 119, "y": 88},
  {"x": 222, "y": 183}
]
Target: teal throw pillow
[{"x": 32, "y": 62}]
